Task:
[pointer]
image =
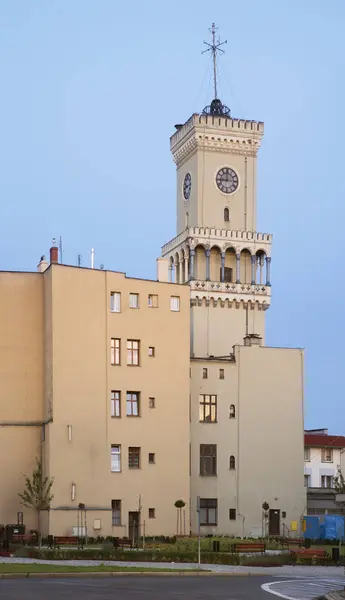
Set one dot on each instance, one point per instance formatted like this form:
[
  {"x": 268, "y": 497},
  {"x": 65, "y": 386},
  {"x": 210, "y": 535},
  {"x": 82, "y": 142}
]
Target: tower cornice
[{"x": 216, "y": 134}]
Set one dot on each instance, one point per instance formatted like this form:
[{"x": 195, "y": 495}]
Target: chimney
[
  {"x": 252, "y": 339},
  {"x": 54, "y": 254},
  {"x": 42, "y": 265}
]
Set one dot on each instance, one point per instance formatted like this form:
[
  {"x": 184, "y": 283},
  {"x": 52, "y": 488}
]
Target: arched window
[
  {"x": 232, "y": 411},
  {"x": 226, "y": 214},
  {"x": 232, "y": 462}
]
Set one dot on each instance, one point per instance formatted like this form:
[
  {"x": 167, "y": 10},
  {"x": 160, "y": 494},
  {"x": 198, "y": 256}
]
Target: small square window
[
  {"x": 152, "y": 513},
  {"x": 153, "y": 301},
  {"x": 152, "y": 402},
  {"x": 115, "y": 302},
  {"x": 205, "y": 373},
  {"x": 221, "y": 373},
  {"x": 232, "y": 514},
  {"x": 151, "y": 350},
  {"x": 133, "y": 300},
  {"x": 175, "y": 303},
  {"x": 152, "y": 458}
]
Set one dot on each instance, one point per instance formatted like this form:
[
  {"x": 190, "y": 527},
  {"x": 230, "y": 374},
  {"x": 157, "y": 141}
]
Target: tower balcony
[
  {"x": 222, "y": 264},
  {"x": 231, "y": 292}
]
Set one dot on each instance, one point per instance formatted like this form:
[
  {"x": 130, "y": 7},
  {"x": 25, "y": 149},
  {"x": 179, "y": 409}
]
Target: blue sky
[{"x": 90, "y": 93}]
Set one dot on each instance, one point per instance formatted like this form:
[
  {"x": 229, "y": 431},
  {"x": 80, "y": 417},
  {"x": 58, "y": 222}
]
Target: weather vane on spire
[
  {"x": 214, "y": 48},
  {"x": 216, "y": 107}
]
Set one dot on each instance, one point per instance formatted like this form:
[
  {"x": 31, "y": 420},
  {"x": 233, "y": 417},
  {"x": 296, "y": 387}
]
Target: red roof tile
[{"x": 318, "y": 441}]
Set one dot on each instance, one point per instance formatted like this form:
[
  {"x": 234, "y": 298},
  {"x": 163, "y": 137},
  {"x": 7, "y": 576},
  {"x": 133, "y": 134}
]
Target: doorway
[
  {"x": 274, "y": 522},
  {"x": 134, "y": 527}
]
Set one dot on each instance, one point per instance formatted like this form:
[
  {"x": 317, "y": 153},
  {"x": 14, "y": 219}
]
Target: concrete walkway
[{"x": 285, "y": 571}]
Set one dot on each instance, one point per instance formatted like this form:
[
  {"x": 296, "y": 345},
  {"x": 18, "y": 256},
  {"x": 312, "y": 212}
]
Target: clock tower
[{"x": 217, "y": 250}]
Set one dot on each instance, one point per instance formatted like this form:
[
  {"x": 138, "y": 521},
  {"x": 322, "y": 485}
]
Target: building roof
[{"x": 322, "y": 440}]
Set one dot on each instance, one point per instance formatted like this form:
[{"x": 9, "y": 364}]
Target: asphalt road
[{"x": 136, "y": 588}]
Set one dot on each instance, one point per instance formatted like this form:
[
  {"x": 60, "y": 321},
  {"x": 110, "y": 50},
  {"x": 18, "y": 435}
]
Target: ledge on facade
[
  {"x": 228, "y": 358},
  {"x": 321, "y": 491},
  {"x": 207, "y": 232}
]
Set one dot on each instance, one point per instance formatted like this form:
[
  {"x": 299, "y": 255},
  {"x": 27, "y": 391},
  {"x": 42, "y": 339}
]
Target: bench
[
  {"x": 18, "y": 538},
  {"x": 248, "y": 547},
  {"x": 311, "y": 552},
  {"x": 60, "y": 540}
]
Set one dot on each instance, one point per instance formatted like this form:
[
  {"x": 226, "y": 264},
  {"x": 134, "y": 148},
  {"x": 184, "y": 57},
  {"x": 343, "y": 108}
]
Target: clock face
[
  {"x": 187, "y": 186},
  {"x": 227, "y": 180}
]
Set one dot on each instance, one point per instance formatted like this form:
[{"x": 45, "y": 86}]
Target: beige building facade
[{"x": 87, "y": 386}]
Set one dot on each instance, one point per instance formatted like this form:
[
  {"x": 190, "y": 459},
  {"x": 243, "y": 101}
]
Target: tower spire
[{"x": 216, "y": 107}]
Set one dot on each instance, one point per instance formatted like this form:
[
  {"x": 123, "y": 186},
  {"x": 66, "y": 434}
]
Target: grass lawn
[{"x": 36, "y": 568}]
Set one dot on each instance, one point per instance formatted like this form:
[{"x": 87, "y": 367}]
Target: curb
[{"x": 133, "y": 574}]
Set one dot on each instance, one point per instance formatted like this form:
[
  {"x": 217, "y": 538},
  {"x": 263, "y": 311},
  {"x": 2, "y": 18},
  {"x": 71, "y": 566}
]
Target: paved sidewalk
[{"x": 286, "y": 571}]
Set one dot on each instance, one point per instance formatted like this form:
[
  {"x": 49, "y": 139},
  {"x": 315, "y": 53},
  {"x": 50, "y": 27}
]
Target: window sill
[
  {"x": 129, "y": 365},
  {"x": 206, "y": 475},
  {"x": 208, "y": 524},
  {"x": 208, "y": 422}
]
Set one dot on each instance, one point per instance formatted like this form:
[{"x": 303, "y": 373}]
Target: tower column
[
  {"x": 181, "y": 270},
  {"x": 262, "y": 262},
  {"x": 186, "y": 275},
  {"x": 222, "y": 266},
  {"x": 170, "y": 276},
  {"x": 208, "y": 254},
  {"x": 238, "y": 256},
  {"x": 253, "y": 259},
  {"x": 191, "y": 264},
  {"x": 268, "y": 270}
]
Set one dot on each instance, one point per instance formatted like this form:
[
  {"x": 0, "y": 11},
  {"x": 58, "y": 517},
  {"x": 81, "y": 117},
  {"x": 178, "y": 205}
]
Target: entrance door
[
  {"x": 274, "y": 522},
  {"x": 134, "y": 527}
]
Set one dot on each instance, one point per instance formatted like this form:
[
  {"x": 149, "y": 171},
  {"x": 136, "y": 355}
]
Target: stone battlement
[{"x": 243, "y": 126}]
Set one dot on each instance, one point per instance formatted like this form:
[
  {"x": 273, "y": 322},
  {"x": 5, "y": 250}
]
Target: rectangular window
[
  {"x": 204, "y": 373},
  {"x": 208, "y": 511},
  {"x": 208, "y": 460},
  {"x": 152, "y": 458},
  {"x": 133, "y": 300},
  {"x": 151, "y": 350},
  {"x": 232, "y": 514},
  {"x": 327, "y": 455},
  {"x": 132, "y": 404},
  {"x": 115, "y": 302},
  {"x": 133, "y": 352},
  {"x": 207, "y": 408},
  {"x": 152, "y": 513},
  {"x": 115, "y": 459},
  {"x": 133, "y": 457},
  {"x": 152, "y": 402},
  {"x": 306, "y": 481},
  {"x": 116, "y": 403},
  {"x": 221, "y": 373},
  {"x": 153, "y": 301},
  {"x": 115, "y": 351},
  {"x": 175, "y": 303},
  {"x": 307, "y": 454},
  {"x": 116, "y": 512},
  {"x": 326, "y": 481}
]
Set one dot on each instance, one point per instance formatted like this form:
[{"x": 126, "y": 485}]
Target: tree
[
  {"x": 37, "y": 494},
  {"x": 339, "y": 482},
  {"x": 179, "y": 504}
]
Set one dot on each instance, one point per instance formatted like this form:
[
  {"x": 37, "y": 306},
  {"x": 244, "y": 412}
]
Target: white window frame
[
  {"x": 327, "y": 455},
  {"x": 152, "y": 300},
  {"x": 115, "y": 454},
  {"x": 175, "y": 303},
  {"x": 133, "y": 300},
  {"x": 115, "y": 351},
  {"x": 115, "y": 302},
  {"x": 133, "y": 353},
  {"x": 115, "y": 403}
]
